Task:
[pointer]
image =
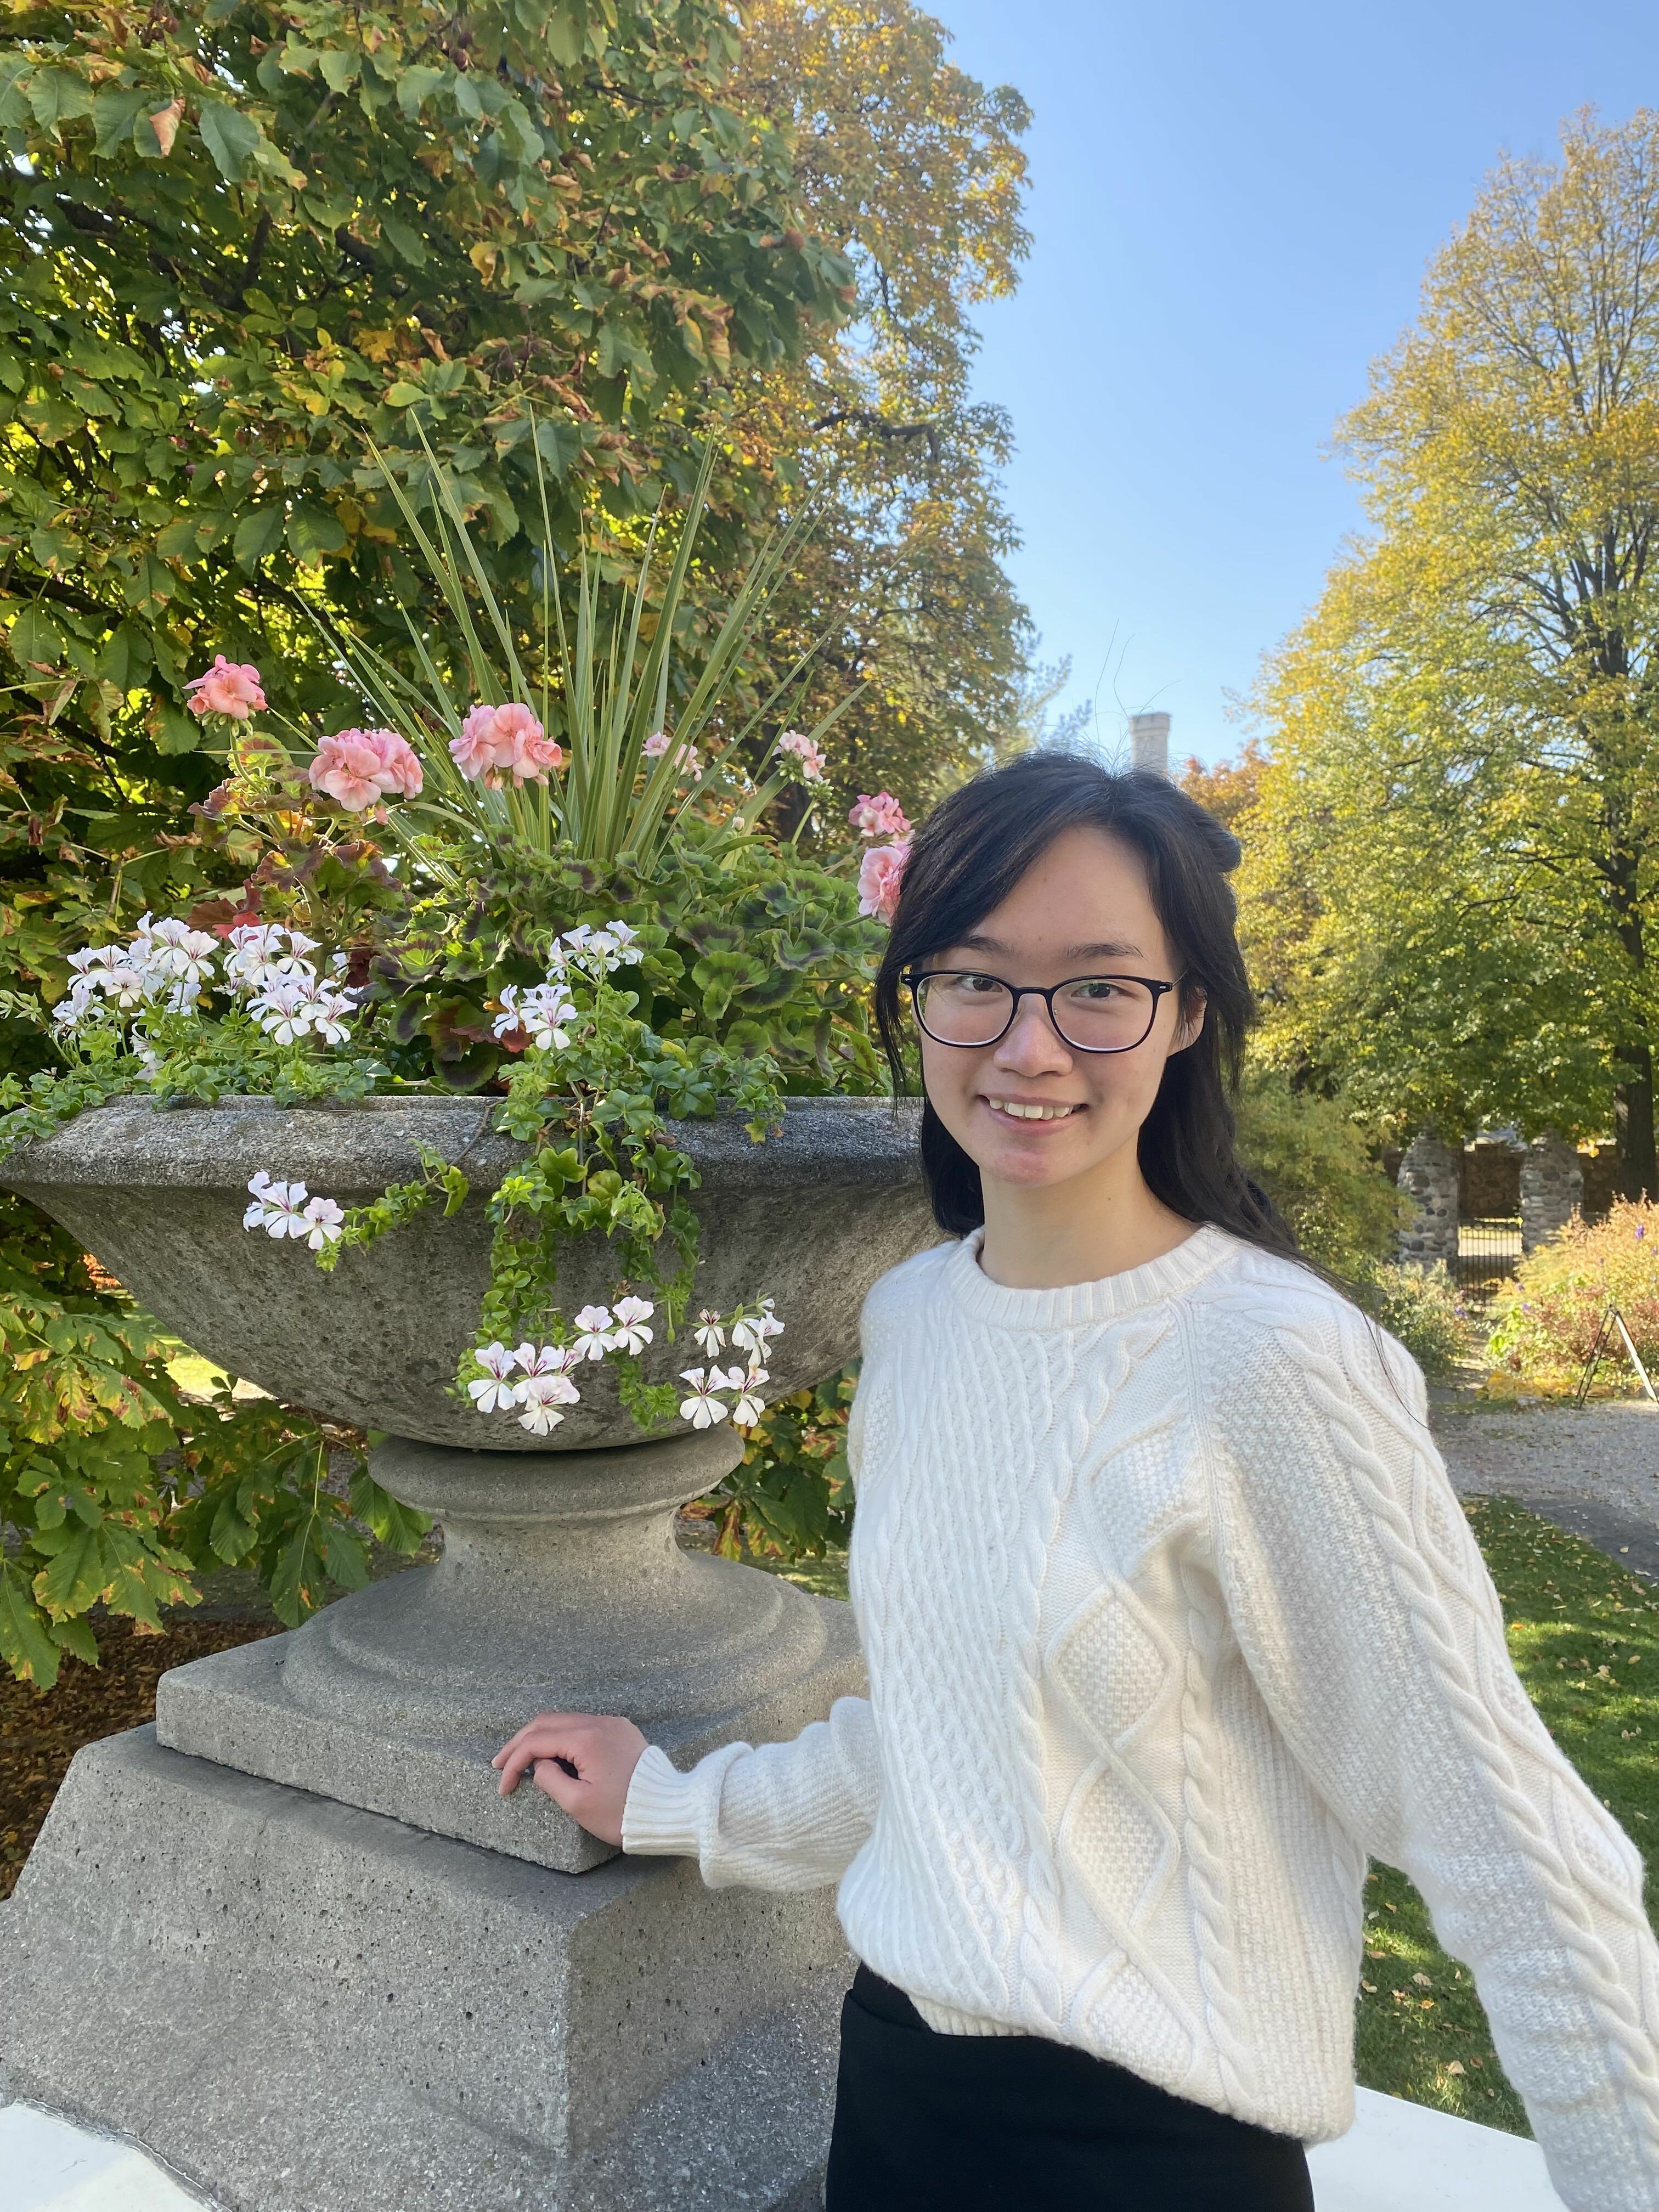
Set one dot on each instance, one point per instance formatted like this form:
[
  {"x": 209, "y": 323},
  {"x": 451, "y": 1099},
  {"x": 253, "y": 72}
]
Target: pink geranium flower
[
  {"x": 230, "y": 687},
  {"x": 879, "y": 816},
  {"x": 810, "y": 756},
  {"x": 356, "y": 768},
  {"x": 881, "y": 877},
  {"x": 501, "y": 741},
  {"x": 400, "y": 766}
]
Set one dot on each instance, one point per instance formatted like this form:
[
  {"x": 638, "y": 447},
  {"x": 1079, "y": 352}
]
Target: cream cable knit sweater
[{"x": 1172, "y": 1617}]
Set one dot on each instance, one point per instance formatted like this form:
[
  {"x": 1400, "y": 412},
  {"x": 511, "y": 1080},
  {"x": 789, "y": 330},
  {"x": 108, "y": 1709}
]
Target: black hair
[{"x": 967, "y": 856}]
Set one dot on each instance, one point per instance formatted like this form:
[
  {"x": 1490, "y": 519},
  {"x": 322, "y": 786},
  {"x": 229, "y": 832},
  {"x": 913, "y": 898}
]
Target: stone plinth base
[{"x": 306, "y": 2008}]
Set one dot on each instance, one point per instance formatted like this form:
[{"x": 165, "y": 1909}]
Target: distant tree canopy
[
  {"x": 245, "y": 244},
  {"x": 1452, "y": 865}
]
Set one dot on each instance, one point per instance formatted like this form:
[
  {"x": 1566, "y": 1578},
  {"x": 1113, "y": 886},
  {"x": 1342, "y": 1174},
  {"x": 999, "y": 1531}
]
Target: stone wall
[
  {"x": 1551, "y": 1189},
  {"x": 1428, "y": 1176},
  {"x": 1488, "y": 1181}
]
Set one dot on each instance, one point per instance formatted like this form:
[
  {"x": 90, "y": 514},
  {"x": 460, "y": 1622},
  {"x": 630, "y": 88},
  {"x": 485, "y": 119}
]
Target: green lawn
[{"x": 1585, "y": 1637}]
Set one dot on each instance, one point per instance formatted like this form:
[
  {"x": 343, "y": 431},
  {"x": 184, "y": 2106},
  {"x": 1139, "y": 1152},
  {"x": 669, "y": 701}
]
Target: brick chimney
[{"x": 1149, "y": 742}]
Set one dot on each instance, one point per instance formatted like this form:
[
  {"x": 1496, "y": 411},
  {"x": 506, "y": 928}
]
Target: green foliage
[
  {"x": 116, "y": 1490},
  {"x": 1313, "y": 1161},
  {"x": 791, "y": 1498},
  {"x": 1547, "y": 1320},
  {"x": 1451, "y": 872},
  {"x": 1424, "y": 1308},
  {"x": 358, "y": 228}
]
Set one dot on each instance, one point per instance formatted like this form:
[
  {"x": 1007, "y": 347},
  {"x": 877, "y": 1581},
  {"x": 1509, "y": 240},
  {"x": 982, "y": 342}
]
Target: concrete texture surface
[
  {"x": 560, "y": 1588},
  {"x": 303, "y": 2007},
  {"x": 158, "y": 1197}
]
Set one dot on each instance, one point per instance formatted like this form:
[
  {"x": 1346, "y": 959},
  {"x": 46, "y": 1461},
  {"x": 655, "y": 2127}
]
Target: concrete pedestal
[
  {"x": 306, "y": 2008},
  {"x": 561, "y": 1590}
]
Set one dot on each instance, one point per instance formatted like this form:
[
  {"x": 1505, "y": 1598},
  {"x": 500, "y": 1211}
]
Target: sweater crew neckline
[{"x": 1083, "y": 1305}]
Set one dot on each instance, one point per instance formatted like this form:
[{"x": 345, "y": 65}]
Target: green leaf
[
  {"x": 230, "y": 136},
  {"x": 178, "y": 541},
  {"x": 76, "y": 1575},
  {"x": 339, "y": 69},
  {"x": 259, "y": 532},
  {"x": 398, "y": 1526},
  {"x": 403, "y": 394},
  {"x": 407, "y": 242},
  {"x": 57, "y": 96},
  {"x": 560, "y": 445},
  {"x": 35, "y": 640},
  {"x": 125, "y": 659},
  {"x": 114, "y": 112},
  {"x": 173, "y": 730},
  {"x": 24, "y": 1644},
  {"x": 416, "y": 85},
  {"x": 314, "y": 530}
]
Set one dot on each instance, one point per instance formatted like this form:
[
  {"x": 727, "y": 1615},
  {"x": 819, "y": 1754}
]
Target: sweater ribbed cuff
[{"x": 660, "y": 1814}]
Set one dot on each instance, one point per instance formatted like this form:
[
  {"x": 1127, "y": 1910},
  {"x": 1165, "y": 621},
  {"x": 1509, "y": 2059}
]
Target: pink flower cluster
[
  {"x": 881, "y": 878},
  {"x": 230, "y": 687},
  {"x": 358, "y": 767},
  {"x": 880, "y": 816},
  {"x": 686, "y": 758},
  {"x": 501, "y": 741},
  {"x": 802, "y": 749}
]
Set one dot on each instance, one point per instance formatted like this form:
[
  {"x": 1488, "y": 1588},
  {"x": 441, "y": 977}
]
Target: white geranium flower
[
  {"x": 285, "y": 1210},
  {"x": 261, "y": 1187},
  {"x": 593, "y": 1339},
  {"x": 493, "y": 1390},
  {"x": 749, "y": 1405},
  {"x": 545, "y": 1011},
  {"x": 702, "y": 1409},
  {"x": 624, "y": 939},
  {"x": 547, "y": 1358},
  {"x": 749, "y": 1332},
  {"x": 630, "y": 1333},
  {"x": 283, "y": 1010},
  {"x": 542, "y": 1396},
  {"x": 710, "y": 1332},
  {"x": 325, "y": 1219},
  {"x": 76, "y": 1003},
  {"x": 330, "y": 1011}
]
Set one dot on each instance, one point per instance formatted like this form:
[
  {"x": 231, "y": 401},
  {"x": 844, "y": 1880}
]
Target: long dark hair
[{"x": 966, "y": 859}]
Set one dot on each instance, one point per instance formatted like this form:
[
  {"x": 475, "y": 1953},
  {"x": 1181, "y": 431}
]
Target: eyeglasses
[{"x": 1090, "y": 1013}]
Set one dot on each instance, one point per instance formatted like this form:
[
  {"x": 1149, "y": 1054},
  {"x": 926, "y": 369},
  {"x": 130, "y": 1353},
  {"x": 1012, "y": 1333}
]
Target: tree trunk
[{"x": 1633, "y": 1117}]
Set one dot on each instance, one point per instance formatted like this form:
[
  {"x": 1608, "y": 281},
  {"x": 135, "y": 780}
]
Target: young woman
[{"x": 1170, "y": 1613}]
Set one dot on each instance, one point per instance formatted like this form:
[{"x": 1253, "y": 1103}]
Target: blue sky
[{"x": 1232, "y": 207}]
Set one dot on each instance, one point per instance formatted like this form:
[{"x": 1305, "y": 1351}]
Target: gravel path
[{"x": 1595, "y": 1472}]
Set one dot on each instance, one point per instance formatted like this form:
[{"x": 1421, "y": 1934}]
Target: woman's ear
[{"x": 1189, "y": 1023}]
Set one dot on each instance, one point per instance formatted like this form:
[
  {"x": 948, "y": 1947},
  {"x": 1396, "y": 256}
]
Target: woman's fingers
[
  {"x": 553, "y": 1736},
  {"x": 583, "y": 1761}
]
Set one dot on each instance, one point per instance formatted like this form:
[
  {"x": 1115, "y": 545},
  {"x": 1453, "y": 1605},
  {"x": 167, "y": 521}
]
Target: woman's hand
[{"x": 583, "y": 1761}]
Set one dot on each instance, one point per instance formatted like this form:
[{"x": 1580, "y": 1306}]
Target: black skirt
[{"x": 1018, "y": 2124}]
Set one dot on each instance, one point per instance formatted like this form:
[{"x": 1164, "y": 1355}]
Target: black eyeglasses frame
[{"x": 913, "y": 978}]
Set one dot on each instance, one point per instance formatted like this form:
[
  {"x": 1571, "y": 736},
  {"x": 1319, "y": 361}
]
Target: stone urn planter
[{"x": 561, "y": 1587}]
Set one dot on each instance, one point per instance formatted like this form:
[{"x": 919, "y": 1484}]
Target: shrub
[
  {"x": 1424, "y": 1308},
  {"x": 1314, "y": 1162},
  {"x": 1547, "y": 1324}
]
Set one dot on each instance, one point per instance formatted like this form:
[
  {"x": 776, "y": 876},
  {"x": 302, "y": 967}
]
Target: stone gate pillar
[
  {"x": 1428, "y": 1176},
  {"x": 1551, "y": 1189}
]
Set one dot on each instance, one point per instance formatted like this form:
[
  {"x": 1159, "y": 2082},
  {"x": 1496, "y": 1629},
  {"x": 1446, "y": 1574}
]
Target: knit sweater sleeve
[
  {"x": 1369, "y": 1624},
  {"x": 784, "y": 1816},
  {"x": 779, "y": 1816}
]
